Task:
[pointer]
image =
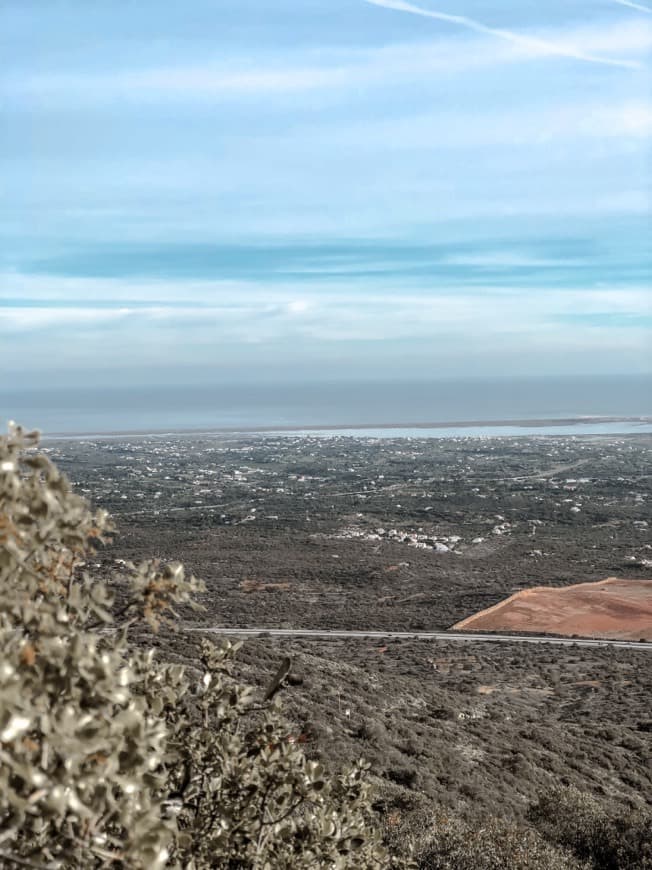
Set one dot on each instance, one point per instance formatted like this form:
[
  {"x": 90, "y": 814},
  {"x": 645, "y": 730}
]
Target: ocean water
[{"x": 346, "y": 406}]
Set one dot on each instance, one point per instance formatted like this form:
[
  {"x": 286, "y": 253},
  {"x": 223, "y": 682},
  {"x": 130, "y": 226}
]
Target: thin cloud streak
[
  {"x": 631, "y": 5},
  {"x": 539, "y": 46}
]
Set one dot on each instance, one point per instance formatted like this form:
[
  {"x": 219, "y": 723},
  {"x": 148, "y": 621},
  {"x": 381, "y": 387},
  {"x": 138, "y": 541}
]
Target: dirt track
[{"x": 446, "y": 636}]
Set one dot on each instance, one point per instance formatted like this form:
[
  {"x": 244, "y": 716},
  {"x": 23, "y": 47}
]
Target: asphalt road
[{"x": 422, "y": 635}]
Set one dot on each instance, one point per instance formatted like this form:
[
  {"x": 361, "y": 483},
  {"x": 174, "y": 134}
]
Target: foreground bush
[
  {"x": 607, "y": 839},
  {"x": 109, "y": 758},
  {"x": 493, "y": 845}
]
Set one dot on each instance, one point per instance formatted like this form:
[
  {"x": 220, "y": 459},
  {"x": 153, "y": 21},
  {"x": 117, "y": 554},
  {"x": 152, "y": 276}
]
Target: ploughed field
[
  {"x": 308, "y": 532},
  {"x": 612, "y": 608}
]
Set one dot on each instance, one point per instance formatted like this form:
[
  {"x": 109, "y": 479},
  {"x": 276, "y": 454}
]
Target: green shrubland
[
  {"x": 112, "y": 758},
  {"x": 605, "y": 838}
]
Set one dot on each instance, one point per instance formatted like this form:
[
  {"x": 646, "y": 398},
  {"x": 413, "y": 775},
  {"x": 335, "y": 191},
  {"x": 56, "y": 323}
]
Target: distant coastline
[
  {"x": 631, "y": 423},
  {"x": 423, "y": 409}
]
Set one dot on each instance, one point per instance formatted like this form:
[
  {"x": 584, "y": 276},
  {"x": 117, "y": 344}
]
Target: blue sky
[{"x": 244, "y": 189}]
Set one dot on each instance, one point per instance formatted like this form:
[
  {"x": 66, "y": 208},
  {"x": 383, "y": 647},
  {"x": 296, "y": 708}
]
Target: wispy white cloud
[
  {"x": 638, "y": 6},
  {"x": 629, "y": 121},
  {"x": 265, "y": 329},
  {"x": 626, "y": 201},
  {"x": 200, "y": 80},
  {"x": 533, "y": 45},
  {"x": 207, "y": 80},
  {"x": 19, "y": 319},
  {"x": 244, "y": 311},
  {"x": 340, "y": 70}
]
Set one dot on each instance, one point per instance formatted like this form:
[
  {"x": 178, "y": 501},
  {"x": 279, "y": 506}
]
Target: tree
[{"x": 110, "y": 758}]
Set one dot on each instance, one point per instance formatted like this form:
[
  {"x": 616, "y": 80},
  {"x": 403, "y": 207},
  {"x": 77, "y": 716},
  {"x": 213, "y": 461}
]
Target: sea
[{"x": 436, "y": 408}]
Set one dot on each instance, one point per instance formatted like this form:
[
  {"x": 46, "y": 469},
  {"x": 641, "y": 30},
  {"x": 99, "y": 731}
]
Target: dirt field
[{"x": 612, "y": 608}]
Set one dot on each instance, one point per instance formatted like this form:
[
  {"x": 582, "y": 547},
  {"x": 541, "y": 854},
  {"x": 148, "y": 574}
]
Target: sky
[{"x": 226, "y": 190}]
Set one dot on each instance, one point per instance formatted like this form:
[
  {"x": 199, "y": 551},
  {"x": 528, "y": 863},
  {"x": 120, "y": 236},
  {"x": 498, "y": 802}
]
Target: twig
[
  {"x": 284, "y": 816},
  {"x": 21, "y": 862}
]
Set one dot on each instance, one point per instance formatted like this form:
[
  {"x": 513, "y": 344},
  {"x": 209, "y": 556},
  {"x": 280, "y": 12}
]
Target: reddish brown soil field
[{"x": 612, "y": 608}]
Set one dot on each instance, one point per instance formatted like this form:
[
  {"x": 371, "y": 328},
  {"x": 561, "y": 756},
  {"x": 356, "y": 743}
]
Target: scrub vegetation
[{"x": 123, "y": 744}]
